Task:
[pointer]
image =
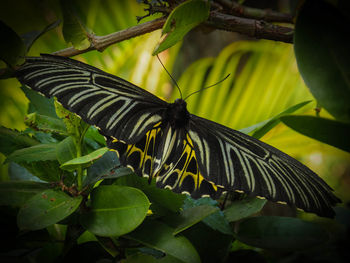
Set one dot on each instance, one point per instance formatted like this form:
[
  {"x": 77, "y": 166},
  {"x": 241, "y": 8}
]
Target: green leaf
[
  {"x": 74, "y": 31},
  {"x": 45, "y": 123},
  {"x": 159, "y": 236},
  {"x": 16, "y": 193},
  {"x": 323, "y": 57},
  {"x": 47, "y": 171},
  {"x": 110, "y": 244},
  {"x": 261, "y": 131},
  {"x": 40, "y": 152},
  {"x": 115, "y": 210},
  {"x": 39, "y": 103},
  {"x": 93, "y": 134},
  {"x": 86, "y": 237},
  {"x": 181, "y": 20},
  {"x": 105, "y": 167},
  {"x": 12, "y": 48},
  {"x": 30, "y": 37},
  {"x": 12, "y": 140},
  {"x": 209, "y": 243},
  {"x": 66, "y": 150},
  {"x": 41, "y": 137},
  {"x": 17, "y": 172},
  {"x": 192, "y": 216},
  {"x": 332, "y": 132},
  {"x": 74, "y": 124},
  {"x": 273, "y": 232},
  {"x": 162, "y": 200},
  {"x": 243, "y": 208},
  {"x": 84, "y": 161},
  {"x": 46, "y": 208},
  {"x": 217, "y": 220},
  {"x": 263, "y": 127}
]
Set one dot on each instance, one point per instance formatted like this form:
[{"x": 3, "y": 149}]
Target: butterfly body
[
  {"x": 177, "y": 114},
  {"x": 183, "y": 152}
]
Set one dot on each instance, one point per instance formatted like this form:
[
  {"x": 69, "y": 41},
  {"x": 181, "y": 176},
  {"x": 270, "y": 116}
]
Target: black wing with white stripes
[
  {"x": 119, "y": 108},
  {"x": 241, "y": 163}
]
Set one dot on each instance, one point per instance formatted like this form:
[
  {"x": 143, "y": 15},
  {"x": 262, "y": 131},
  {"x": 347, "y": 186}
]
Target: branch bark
[
  {"x": 267, "y": 15},
  {"x": 251, "y": 27}
]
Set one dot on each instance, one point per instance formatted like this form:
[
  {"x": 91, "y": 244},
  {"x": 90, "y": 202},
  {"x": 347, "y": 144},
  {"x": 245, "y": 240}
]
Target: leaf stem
[{"x": 80, "y": 133}]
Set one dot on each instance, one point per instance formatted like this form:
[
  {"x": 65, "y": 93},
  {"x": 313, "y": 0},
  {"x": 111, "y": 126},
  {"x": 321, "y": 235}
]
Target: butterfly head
[{"x": 177, "y": 114}]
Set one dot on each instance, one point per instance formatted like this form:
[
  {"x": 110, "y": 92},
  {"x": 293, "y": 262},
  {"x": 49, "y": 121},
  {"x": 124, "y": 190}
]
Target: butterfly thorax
[{"x": 177, "y": 114}]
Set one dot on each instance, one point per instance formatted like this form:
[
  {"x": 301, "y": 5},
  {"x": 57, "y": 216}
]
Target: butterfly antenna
[
  {"x": 170, "y": 76},
  {"x": 207, "y": 87}
]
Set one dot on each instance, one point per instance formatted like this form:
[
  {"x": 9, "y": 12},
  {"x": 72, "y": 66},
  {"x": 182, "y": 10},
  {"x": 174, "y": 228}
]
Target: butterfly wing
[
  {"x": 117, "y": 107},
  {"x": 166, "y": 154},
  {"x": 241, "y": 163}
]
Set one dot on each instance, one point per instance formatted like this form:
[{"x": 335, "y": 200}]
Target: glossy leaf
[
  {"x": 243, "y": 208},
  {"x": 74, "y": 31},
  {"x": 181, "y": 20},
  {"x": 17, "y": 172},
  {"x": 12, "y": 140},
  {"x": 192, "y": 216},
  {"x": 84, "y": 161},
  {"x": 260, "y": 129},
  {"x": 162, "y": 200},
  {"x": 93, "y": 134},
  {"x": 66, "y": 150},
  {"x": 40, "y": 152},
  {"x": 217, "y": 220},
  {"x": 332, "y": 132},
  {"x": 45, "y": 123},
  {"x": 104, "y": 168},
  {"x": 159, "y": 236},
  {"x": 46, "y": 208},
  {"x": 323, "y": 57},
  {"x": 39, "y": 103},
  {"x": 273, "y": 232},
  {"x": 12, "y": 48},
  {"x": 47, "y": 170},
  {"x": 115, "y": 210},
  {"x": 271, "y": 123},
  {"x": 16, "y": 193}
]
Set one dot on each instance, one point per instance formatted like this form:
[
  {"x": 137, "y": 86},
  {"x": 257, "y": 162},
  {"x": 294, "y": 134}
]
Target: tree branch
[
  {"x": 101, "y": 42},
  {"x": 255, "y": 13},
  {"x": 251, "y": 27}
]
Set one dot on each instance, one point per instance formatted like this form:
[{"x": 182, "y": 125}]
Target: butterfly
[{"x": 161, "y": 140}]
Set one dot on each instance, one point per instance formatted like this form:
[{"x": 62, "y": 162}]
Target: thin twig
[
  {"x": 267, "y": 15},
  {"x": 101, "y": 42},
  {"x": 251, "y": 27}
]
